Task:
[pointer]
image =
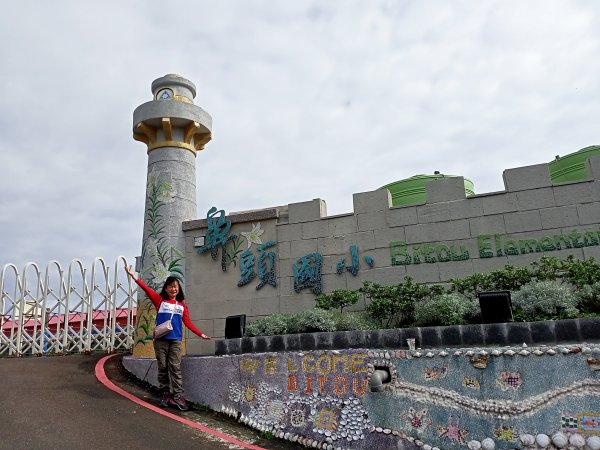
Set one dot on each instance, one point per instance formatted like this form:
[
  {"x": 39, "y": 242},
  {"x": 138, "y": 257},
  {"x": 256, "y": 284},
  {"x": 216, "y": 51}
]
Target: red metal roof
[{"x": 74, "y": 319}]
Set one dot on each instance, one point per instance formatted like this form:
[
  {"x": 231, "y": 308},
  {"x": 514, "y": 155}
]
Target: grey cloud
[{"x": 378, "y": 92}]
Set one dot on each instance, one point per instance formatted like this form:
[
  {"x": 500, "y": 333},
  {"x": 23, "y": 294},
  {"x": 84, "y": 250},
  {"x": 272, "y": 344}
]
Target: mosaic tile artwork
[
  {"x": 471, "y": 383},
  {"x": 434, "y": 373},
  {"x": 505, "y": 433},
  {"x": 323, "y": 399},
  {"x": 509, "y": 380},
  {"x": 589, "y": 423},
  {"x": 416, "y": 421},
  {"x": 452, "y": 431},
  {"x": 569, "y": 422}
]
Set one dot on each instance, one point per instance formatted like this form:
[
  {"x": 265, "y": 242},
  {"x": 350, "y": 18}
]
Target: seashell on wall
[
  {"x": 593, "y": 442},
  {"x": 488, "y": 444},
  {"x": 577, "y": 440},
  {"x": 527, "y": 439},
  {"x": 560, "y": 440},
  {"x": 542, "y": 440}
]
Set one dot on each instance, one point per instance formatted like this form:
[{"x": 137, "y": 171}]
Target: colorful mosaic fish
[
  {"x": 589, "y": 423},
  {"x": 434, "y": 373},
  {"x": 472, "y": 383}
]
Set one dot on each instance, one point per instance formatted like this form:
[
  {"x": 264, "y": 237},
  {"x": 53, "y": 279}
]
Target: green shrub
[
  {"x": 354, "y": 321},
  {"x": 549, "y": 289},
  {"x": 339, "y": 298},
  {"x": 510, "y": 278},
  {"x": 581, "y": 272},
  {"x": 471, "y": 285},
  {"x": 543, "y": 300},
  {"x": 384, "y": 302},
  {"x": 589, "y": 299},
  {"x": 269, "y": 325},
  {"x": 446, "y": 309},
  {"x": 547, "y": 268},
  {"x": 393, "y": 306},
  {"x": 267, "y": 435},
  {"x": 255, "y": 328},
  {"x": 578, "y": 272},
  {"x": 312, "y": 320}
]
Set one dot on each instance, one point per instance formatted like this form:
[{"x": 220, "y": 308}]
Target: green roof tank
[
  {"x": 572, "y": 167},
  {"x": 411, "y": 191}
]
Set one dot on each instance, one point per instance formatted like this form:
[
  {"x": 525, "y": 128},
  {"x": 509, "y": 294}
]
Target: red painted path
[
  {"x": 101, "y": 375},
  {"x": 87, "y": 401}
]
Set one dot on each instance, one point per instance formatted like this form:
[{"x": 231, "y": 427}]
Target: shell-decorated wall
[{"x": 542, "y": 397}]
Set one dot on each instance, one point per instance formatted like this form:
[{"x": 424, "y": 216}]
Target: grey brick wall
[{"x": 432, "y": 236}]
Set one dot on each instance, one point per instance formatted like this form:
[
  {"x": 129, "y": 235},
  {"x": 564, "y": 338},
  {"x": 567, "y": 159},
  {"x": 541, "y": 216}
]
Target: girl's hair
[{"x": 180, "y": 296}]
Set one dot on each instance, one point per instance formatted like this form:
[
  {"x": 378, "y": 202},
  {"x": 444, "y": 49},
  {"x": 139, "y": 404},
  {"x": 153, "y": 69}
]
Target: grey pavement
[{"x": 56, "y": 402}]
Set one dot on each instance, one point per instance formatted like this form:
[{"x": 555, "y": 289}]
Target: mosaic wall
[
  {"x": 488, "y": 398},
  {"x": 500, "y": 398}
]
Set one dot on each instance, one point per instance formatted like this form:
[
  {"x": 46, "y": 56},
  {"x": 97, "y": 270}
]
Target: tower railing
[{"x": 73, "y": 310}]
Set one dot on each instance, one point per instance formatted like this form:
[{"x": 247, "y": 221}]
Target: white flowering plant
[{"x": 544, "y": 300}]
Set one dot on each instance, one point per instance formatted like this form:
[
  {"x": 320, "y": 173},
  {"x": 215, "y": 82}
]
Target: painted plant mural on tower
[{"x": 159, "y": 258}]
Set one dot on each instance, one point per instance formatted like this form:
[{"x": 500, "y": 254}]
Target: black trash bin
[
  {"x": 235, "y": 326},
  {"x": 496, "y": 306}
]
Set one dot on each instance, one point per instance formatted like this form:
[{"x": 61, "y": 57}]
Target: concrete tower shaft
[{"x": 173, "y": 129}]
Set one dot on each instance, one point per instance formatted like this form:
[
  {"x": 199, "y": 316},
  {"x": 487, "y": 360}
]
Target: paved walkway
[{"x": 57, "y": 402}]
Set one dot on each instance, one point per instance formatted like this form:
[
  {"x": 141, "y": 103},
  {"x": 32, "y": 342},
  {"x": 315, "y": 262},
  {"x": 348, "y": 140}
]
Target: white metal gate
[{"x": 74, "y": 311}]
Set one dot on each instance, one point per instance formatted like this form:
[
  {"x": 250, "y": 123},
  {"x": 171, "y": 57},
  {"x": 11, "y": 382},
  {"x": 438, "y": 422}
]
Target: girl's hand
[
  {"x": 131, "y": 272},
  {"x": 204, "y": 336}
]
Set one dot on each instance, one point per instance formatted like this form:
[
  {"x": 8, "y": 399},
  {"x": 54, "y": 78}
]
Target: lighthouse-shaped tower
[{"x": 174, "y": 130}]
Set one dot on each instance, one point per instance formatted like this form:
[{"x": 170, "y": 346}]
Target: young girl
[{"x": 169, "y": 304}]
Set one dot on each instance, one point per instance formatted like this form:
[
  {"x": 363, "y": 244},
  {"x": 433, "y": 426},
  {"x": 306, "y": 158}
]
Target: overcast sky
[{"x": 309, "y": 99}]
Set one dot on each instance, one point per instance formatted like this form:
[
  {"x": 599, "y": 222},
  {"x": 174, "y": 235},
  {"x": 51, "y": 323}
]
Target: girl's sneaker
[
  {"x": 180, "y": 402},
  {"x": 165, "y": 399}
]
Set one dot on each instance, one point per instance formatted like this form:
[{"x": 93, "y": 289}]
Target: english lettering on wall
[{"x": 489, "y": 246}]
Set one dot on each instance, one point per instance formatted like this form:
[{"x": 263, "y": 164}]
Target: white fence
[{"x": 59, "y": 311}]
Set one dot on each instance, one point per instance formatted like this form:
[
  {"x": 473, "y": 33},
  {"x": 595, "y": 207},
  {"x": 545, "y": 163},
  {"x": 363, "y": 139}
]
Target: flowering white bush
[
  {"x": 312, "y": 320},
  {"x": 268, "y": 326},
  {"x": 353, "y": 321},
  {"x": 540, "y": 300},
  {"x": 445, "y": 309}
]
